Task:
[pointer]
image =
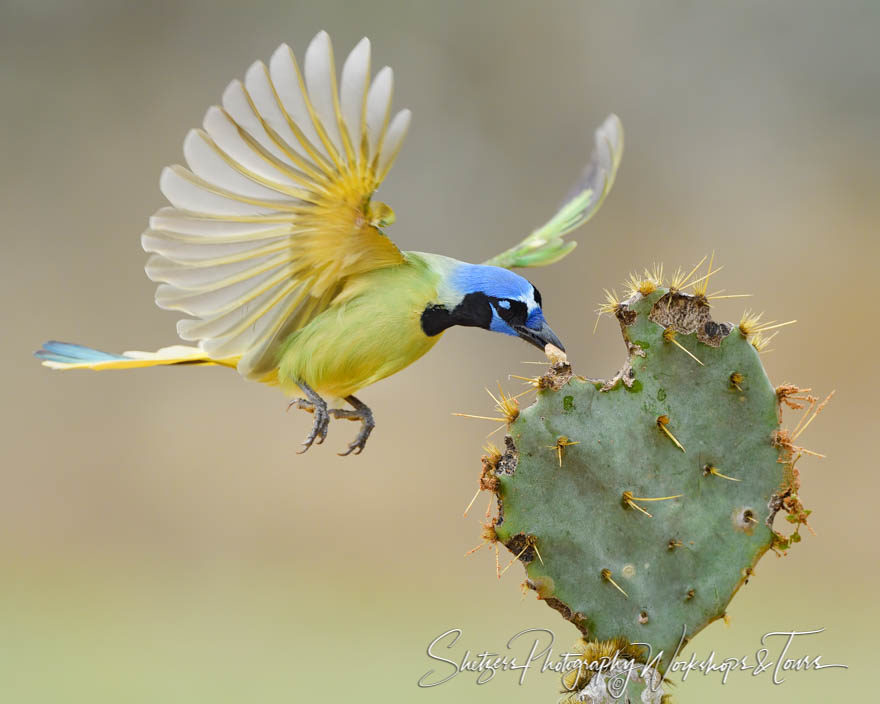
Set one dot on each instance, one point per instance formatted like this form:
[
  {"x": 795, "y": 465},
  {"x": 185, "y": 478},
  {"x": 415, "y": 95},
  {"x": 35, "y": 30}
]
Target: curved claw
[
  {"x": 359, "y": 443},
  {"x": 316, "y": 405},
  {"x": 362, "y": 413},
  {"x": 356, "y": 447},
  {"x": 319, "y": 429}
]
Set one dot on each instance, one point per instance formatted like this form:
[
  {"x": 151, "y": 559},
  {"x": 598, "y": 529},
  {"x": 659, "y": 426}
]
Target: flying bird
[{"x": 275, "y": 248}]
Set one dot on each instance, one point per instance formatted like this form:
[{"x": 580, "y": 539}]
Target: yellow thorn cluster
[
  {"x": 647, "y": 283},
  {"x": 610, "y": 306}
]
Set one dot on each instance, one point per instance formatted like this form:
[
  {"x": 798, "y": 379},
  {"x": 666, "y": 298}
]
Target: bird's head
[{"x": 491, "y": 298}]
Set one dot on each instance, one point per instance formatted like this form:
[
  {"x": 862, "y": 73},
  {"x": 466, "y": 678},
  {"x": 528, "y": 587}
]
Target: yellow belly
[{"x": 375, "y": 332}]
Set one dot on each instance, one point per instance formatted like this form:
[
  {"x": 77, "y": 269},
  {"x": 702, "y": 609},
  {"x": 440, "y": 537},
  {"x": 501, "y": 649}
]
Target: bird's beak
[{"x": 539, "y": 338}]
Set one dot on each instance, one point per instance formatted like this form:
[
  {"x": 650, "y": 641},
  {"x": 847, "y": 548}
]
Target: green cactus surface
[{"x": 640, "y": 505}]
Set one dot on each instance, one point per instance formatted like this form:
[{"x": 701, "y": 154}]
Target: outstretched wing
[
  {"x": 545, "y": 245},
  {"x": 274, "y": 211}
]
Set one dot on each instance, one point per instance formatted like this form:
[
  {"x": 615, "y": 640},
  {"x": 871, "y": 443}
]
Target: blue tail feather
[{"x": 70, "y": 353}]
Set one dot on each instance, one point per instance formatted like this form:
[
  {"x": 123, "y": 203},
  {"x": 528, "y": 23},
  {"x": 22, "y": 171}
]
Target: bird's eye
[{"x": 512, "y": 312}]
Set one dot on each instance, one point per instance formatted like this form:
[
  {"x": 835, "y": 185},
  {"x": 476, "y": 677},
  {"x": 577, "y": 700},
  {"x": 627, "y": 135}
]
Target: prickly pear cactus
[{"x": 640, "y": 505}]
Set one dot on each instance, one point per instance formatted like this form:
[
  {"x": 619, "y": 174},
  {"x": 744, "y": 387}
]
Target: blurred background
[{"x": 160, "y": 540}]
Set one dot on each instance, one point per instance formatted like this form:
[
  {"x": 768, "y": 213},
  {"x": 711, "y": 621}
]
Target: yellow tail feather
[{"x": 64, "y": 356}]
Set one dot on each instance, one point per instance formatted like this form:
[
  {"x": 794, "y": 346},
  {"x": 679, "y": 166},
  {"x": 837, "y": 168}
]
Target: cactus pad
[{"x": 640, "y": 505}]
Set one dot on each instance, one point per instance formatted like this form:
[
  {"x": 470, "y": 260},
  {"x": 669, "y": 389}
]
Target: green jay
[{"x": 276, "y": 250}]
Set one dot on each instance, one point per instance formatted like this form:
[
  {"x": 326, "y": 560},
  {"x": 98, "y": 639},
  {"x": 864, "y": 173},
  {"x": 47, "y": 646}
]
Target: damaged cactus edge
[{"x": 641, "y": 504}]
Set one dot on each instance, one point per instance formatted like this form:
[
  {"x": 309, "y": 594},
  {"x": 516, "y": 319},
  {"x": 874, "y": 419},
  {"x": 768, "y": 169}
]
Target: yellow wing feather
[{"x": 274, "y": 213}]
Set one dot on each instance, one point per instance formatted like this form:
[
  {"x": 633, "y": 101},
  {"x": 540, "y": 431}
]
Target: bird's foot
[
  {"x": 318, "y": 407},
  {"x": 362, "y": 413}
]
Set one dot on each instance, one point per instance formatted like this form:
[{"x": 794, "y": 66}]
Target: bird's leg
[
  {"x": 315, "y": 404},
  {"x": 362, "y": 413}
]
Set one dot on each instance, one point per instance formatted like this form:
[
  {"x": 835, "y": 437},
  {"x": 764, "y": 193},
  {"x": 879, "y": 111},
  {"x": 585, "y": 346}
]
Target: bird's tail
[{"x": 64, "y": 355}]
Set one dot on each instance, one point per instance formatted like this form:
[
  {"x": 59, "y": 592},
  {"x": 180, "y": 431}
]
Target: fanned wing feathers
[
  {"x": 545, "y": 245},
  {"x": 273, "y": 213}
]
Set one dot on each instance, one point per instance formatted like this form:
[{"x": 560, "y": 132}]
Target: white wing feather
[
  {"x": 353, "y": 87},
  {"x": 227, "y": 251}
]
